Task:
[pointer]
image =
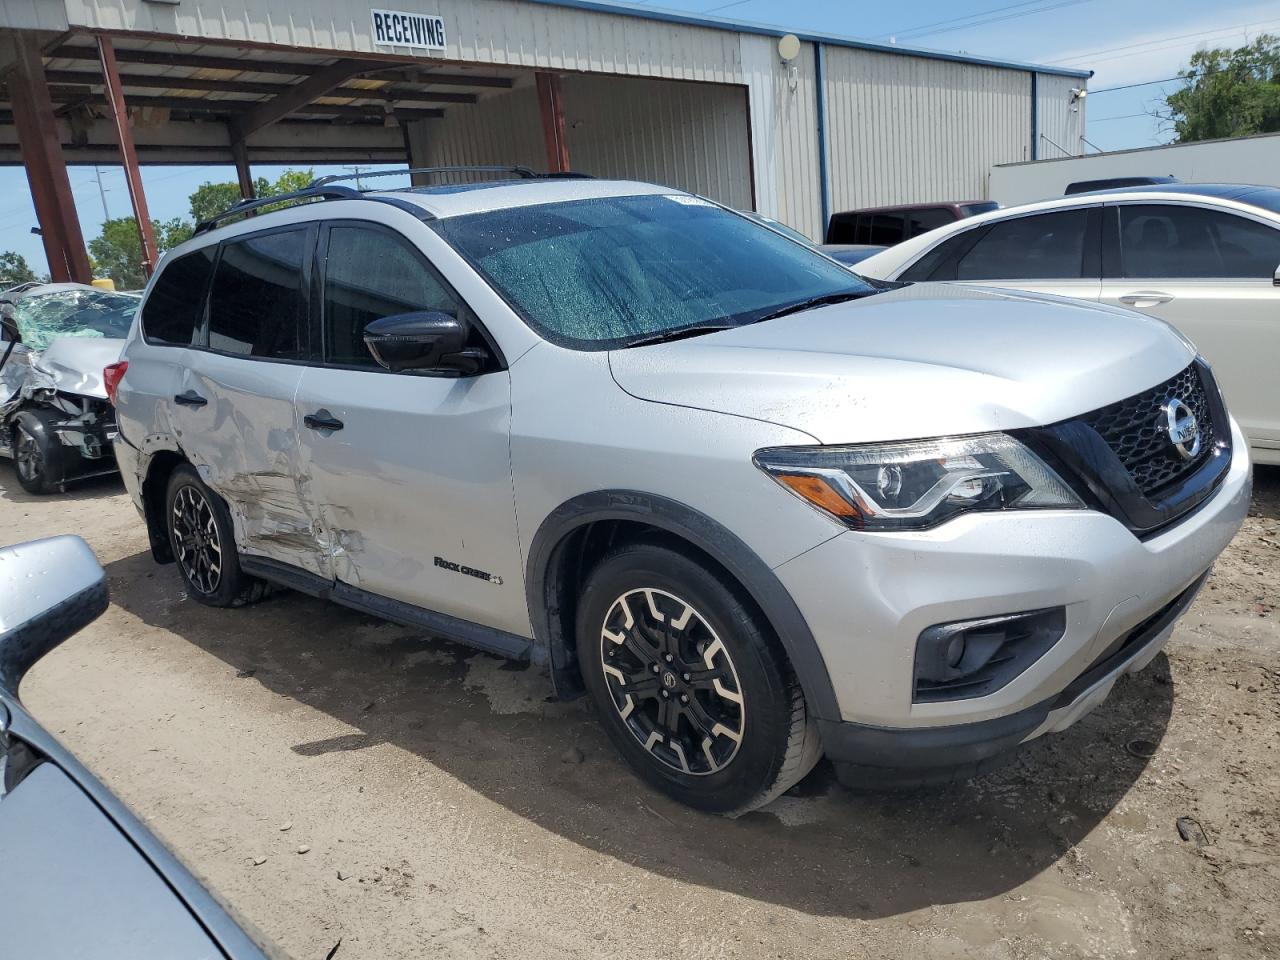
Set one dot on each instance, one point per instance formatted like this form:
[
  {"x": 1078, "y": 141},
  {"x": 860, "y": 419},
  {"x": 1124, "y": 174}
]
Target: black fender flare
[{"x": 704, "y": 533}]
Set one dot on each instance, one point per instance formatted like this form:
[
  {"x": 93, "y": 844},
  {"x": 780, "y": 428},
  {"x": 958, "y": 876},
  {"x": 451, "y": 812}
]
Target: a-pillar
[{"x": 46, "y": 167}]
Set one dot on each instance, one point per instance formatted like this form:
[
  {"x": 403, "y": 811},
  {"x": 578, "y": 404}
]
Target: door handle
[
  {"x": 190, "y": 399},
  {"x": 1145, "y": 298},
  {"x": 322, "y": 420}
]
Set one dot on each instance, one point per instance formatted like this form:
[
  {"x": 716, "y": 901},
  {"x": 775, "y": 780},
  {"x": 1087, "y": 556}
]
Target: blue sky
[{"x": 1126, "y": 42}]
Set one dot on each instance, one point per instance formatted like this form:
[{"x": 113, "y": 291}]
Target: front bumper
[{"x": 867, "y": 597}]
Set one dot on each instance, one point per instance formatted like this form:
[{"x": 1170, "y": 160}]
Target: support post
[
  {"x": 128, "y": 154},
  {"x": 553, "y": 131},
  {"x": 240, "y": 154},
  {"x": 46, "y": 167}
]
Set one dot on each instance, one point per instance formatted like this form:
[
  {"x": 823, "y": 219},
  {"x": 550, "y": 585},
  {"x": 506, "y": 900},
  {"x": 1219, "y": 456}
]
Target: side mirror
[
  {"x": 430, "y": 340},
  {"x": 1275, "y": 278},
  {"x": 49, "y": 590}
]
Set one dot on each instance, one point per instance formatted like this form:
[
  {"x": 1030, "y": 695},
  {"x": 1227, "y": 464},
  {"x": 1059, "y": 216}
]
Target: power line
[
  {"x": 942, "y": 23},
  {"x": 1145, "y": 83},
  {"x": 1127, "y": 116},
  {"x": 1092, "y": 54},
  {"x": 917, "y": 34}
]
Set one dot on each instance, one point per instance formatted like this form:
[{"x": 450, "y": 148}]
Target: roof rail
[
  {"x": 524, "y": 173},
  {"x": 316, "y": 191}
]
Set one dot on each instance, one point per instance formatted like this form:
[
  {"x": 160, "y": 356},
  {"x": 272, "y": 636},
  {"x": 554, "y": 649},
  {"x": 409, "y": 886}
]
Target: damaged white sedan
[{"x": 56, "y": 422}]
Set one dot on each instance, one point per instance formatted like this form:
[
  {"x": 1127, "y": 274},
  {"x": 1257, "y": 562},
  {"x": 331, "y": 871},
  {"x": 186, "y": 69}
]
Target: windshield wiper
[
  {"x": 680, "y": 333},
  {"x": 822, "y": 301}
]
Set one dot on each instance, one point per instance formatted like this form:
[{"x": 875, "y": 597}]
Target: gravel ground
[{"x": 412, "y": 798}]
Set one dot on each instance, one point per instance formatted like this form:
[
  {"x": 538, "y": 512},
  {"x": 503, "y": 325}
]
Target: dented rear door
[{"x": 235, "y": 402}]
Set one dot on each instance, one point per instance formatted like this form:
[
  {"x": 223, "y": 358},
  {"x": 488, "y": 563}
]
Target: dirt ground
[{"x": 411, "y": 798}]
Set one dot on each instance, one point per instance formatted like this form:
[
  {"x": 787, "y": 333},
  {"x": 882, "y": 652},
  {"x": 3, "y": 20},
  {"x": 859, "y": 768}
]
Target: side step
[{"x": 476, "y": 635}]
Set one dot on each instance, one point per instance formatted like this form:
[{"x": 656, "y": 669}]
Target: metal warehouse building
[{"x": 793, "y": 130}]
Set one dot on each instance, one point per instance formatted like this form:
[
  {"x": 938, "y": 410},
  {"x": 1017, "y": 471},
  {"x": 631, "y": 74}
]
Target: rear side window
[
  {"x": 256, "y": 304},
  {"x": 370, "y": 274},
  {"x": 842, "y": 228},
  {"x": 886, "y": 229},
  {"x": 175, "y": 305},
  {"x": 1047, "y": 246},
  {"x": 922, "y": 221},
  {"x": 1176, "y": 241}
]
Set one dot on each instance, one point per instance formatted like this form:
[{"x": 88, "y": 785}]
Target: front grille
[{"x": 1135, "y": 429}]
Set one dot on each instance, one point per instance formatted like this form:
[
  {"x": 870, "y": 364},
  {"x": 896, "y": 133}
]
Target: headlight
[{"x": 917, "y": 484}]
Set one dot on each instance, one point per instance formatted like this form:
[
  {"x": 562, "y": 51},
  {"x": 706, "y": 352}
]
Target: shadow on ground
[
  {"x": 820, "y": 849},
  {"x": 1266, "y": 492},
  {"x": 90, "y": 488}
]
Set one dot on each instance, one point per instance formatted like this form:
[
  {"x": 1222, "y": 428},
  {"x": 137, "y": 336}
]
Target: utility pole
[
  {"x": 357, "y": 170},
  {"x": 97, "y": 172}
]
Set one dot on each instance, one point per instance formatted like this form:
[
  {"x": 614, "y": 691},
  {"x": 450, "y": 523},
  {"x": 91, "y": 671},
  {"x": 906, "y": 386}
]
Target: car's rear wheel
[
  {"x": 691, "y": 684},
  {"x": 40, "y": 459},
  {"x": 203, "y": 543}
]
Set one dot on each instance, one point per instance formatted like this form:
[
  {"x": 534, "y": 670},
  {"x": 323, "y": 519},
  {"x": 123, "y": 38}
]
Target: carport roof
[{"x": 835, "y": 40}]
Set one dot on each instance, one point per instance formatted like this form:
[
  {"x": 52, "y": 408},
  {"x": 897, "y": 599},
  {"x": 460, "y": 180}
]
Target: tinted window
[
  {"x": 940, "y": 262},
  {"x": 256, "y": 306},
  {"x": 371, "y": 274},
  {"x": 1176, "y": 241},
  {"x": 842, "y": 227},
  {"x": 175, "y": 305},
  {"x": 604, "y": 272},
  {"x": 922, "y": 221},
  {"x": 1048, "y": 246},
  {"x": 886, "y": 229}
]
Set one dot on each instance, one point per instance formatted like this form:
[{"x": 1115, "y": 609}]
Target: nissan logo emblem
[{"x": 1182, "y": 427}]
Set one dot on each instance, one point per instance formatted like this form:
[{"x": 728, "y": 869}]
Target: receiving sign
[{"x": 394, "y": 28}]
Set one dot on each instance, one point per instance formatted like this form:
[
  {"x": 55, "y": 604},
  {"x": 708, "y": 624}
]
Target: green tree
[
  {"x": 212, "y": 198},
  {"x": 1228, "y": 93},
  {"x": 117, "y": 251},
  {"x": 14, "y": 269}
]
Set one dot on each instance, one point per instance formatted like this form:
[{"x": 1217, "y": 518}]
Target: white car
[{"x": 1204, "y": 257}]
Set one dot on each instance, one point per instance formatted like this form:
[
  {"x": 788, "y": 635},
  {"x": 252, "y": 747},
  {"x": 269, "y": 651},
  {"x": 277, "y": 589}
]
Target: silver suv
[{"x": 757, "y": 508}]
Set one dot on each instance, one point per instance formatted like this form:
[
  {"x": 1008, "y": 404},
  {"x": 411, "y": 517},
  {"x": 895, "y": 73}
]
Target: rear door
[
  {"x": 1210, "y": 273},
  {"x": 414, "y": 484},
  {"x": 1056, "y": 251},
  {"x": 235, "y": 400}
]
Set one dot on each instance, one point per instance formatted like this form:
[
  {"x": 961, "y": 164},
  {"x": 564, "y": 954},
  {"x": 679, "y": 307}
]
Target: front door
[
  {"x": 1211, "y": 274},
  {"x": 412, "y": 471},
  {"x": 234, "y": 405},
  {"x": 1051, "y": 252}
]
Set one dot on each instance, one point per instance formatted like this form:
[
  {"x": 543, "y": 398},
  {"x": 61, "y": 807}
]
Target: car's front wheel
[
  {"x": 39, "y": 457},
  {"x": 690, "y": 682},
  {"x": 203, "y": 543}
]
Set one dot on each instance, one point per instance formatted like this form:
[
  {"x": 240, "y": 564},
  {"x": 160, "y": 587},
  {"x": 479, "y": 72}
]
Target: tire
[
  {"x": 736, "y": 733},
  {"x": 203, "y": 543},
  {"x": 40, "y": 459}
]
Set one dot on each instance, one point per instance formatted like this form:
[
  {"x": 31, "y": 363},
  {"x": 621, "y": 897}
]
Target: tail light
[{"x": 112, "y": 374}]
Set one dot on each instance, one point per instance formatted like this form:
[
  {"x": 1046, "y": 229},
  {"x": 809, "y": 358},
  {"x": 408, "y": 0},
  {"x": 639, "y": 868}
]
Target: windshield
[
  {"x": 43, "y": 317},
  {"x": 603, "y": 273}
]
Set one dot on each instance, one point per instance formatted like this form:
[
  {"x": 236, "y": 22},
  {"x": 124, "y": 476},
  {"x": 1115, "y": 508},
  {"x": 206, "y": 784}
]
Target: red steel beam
[
  {"x": 128, "y": 155},
  {"x": 240, "y": 154},
  {"x": 553, "y": 130},
  {"x": 46, "y": 167}
]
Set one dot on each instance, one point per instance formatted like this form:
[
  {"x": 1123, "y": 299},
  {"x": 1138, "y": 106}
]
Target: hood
[
  {"x": 74, "y": 364},
  {"x": 921, "y": 361}
]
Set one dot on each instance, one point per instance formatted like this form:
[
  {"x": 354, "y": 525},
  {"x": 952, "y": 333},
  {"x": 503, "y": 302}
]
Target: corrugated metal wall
[
  {"x": 692, "y": 136},
  {"x": 689, "y": 136},
  {"x": 904, "y": 129},
  {"x": 784, "y": 134},
  {"x": 502, "y": 129},
  {"x": 484, "y": 31},
  {"x": 1061, "y": 122}
]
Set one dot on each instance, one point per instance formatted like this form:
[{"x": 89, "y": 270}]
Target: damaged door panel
[
  {"x": 237, "y": 396},
  {"x": 450, "y": 543}
]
